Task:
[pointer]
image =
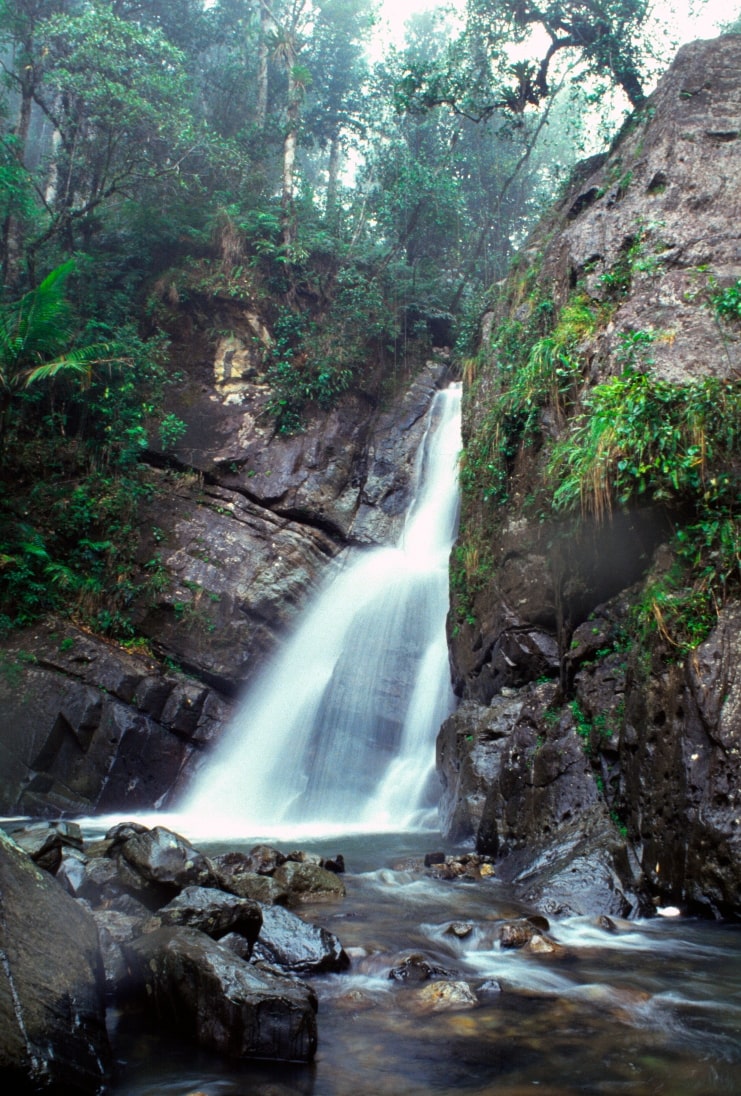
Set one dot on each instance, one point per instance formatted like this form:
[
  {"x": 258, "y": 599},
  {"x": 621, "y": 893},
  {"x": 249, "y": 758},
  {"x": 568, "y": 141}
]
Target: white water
[{"x": 338, "y": 733}]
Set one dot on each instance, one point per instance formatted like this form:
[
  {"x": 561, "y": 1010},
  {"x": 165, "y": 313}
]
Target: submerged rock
[{"x": 446, "y": 996}]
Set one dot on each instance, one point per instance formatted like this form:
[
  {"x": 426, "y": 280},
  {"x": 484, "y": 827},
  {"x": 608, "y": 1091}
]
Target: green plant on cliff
[
  {"x": 538, "y": 369},
  {"x": 640, "y": 440}
]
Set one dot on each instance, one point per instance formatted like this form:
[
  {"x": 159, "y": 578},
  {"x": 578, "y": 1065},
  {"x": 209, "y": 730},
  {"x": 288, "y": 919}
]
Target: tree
[{"x": 478, "y": 78}]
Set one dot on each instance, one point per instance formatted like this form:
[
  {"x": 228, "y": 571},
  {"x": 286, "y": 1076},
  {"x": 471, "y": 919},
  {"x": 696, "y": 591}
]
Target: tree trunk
[
  {"x": 333, "y": 173},
  {"x": 290, "y": 144},
  {"x": 261, "y": 101}
]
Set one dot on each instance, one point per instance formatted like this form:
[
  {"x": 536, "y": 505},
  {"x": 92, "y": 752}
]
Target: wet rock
[
  {"x": 44, "y": 842},
  {"x": 335, "y": 864},
  {"x": 116, "y": 929},
  {"x": 213, "y": 912},
  {"x": 263, "y": 859},
  {"x": 539, "y": 922},
  {"x": 209, "y": 995},
  {"x": 162, "y": 857},
  {"x": 297, "y": 946},
  {"x": 72, "y": 869},
  {"x": 446, "y": 996},
  {"x": 416, "y": 968},
  {"x": 607, "y": 924},
  {"x": 434, "y": 858},
  {"x": 540, "y": 944},
  {"x": 516, "y": 934},
  {"x": 53, "y": 1033},
  {"x": 465, "y": 866},
  {"x": 233, "y": 876},
  {"x": 459, "y": 929},
  {"x": 308, "y": 883},
  {"x": 74, "y": 739}
]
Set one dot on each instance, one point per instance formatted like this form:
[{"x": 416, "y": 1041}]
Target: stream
[
  {"x": 652, "y": 1008},
  {"x": 337, "y": 737}
]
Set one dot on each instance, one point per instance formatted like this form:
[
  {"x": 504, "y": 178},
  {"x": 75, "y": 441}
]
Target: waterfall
[{"x": 338, "y": 733}]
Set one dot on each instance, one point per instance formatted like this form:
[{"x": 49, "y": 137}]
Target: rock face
[
  {"x": 597, "y": 747},
  {"x": 230, "y": 549},
  {"x": 90, "y": 728},
  {"x": 53, "y": 1034}
]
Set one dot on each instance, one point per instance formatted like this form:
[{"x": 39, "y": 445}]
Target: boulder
[
  {"x": 308, "y": 882},
  {"x": 164, "y": 858},
  {"x": 213, "y": 912},
  {"x": 211, "y": 996},
  {"x": 294, "y": 945},
  {"x": 52, "y": 1010}
]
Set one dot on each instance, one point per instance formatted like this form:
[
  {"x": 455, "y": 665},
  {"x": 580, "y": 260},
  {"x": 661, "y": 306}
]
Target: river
[{"x": 652, "y": 1008}]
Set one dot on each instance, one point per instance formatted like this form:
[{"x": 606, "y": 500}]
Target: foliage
[
  {"x": 640, "y": 437},
  {"x": 727, "y": 301},
  {"x": 537, "y": 370}
]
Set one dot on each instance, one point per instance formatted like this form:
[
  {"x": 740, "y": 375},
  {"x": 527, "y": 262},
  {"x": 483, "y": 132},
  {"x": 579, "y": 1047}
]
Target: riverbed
[{"x": 652, "y": 1007}]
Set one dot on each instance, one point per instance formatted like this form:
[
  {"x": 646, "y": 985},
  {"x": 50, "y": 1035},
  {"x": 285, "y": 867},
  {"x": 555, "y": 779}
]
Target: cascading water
[{"x": 338, "y": 734}]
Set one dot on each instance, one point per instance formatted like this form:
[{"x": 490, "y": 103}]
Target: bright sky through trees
[{"x": 689, "y": 18}]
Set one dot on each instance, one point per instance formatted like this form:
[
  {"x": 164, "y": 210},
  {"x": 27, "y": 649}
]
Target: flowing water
[
  {"x": 339, "y": 732},
  {"x": 338, "y": 737},
  {"x": 652, "y": 1008}
]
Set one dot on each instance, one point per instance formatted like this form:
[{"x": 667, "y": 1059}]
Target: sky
[{"x": 692, "y": 18}]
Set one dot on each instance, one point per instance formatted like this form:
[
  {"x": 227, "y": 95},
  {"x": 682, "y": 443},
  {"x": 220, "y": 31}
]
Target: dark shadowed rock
[
  {"x": 52, "y": 1013},
  {"x": 234, "y": 874},
  {"x": 416, "y": 968},
  {"x": 210, "y": 995},
  {"x": 116, "y": 929},
  {"x": 297, "y": 946}
]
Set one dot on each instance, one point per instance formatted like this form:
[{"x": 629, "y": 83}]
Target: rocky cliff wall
[
  {"x": 238, "y": 527},
  {"x": 594, "y": 631}
]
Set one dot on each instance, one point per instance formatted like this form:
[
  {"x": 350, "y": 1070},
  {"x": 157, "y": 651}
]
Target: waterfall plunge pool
[{"x": 652, "y": 1008}]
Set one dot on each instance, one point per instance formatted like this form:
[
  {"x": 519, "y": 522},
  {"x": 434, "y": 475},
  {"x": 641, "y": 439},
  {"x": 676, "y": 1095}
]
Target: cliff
[
  {"x": 595, "y": 584},
  {"x": 236, "y": 526}
]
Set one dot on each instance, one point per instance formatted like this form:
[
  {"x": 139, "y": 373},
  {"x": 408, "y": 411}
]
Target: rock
[
  {"x": 297, "y": 946},
  {"x": 308, "y": 883},
  {"x": 232, "y": 876},
  {"x": 415, "y": 968},
  {"x": 335, "y": 864},
  {"x": 446, "y": 996},
  {"x": 210, "y": 996},
  {"x": 643, "y": 233},
  {"x": 115, "y": 929},
  {"x": 53, "y": 1033},
  {"x": 213, "y": 912},
  {"x": 162, "y": 857},
  {"x": 263, "y": 859},
  {"x": 540, "y": 944},
  {"x": 44, "y": 841},
  {"x": 74, "y": 738},
  {"x": 459, "y": 929},
  {"x": 516, "y": 934},
  {"x": 72, "y": 870}
]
